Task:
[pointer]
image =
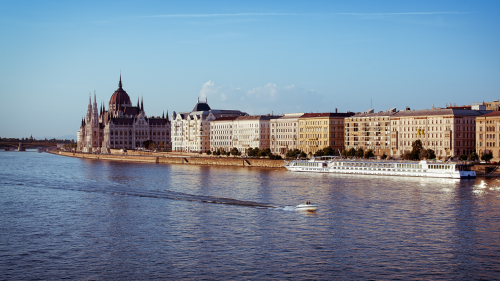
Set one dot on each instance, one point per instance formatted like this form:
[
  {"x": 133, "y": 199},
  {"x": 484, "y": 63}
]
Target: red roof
[
  {"x": 120, "y": 96},
  {"x": 491, "y": 114}
]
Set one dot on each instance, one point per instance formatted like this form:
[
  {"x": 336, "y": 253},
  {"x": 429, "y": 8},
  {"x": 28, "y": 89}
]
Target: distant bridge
[{"x": 28, "y": 145}]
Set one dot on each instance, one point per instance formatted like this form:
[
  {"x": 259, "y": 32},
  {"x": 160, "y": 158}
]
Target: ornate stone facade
[
  {"x": 123, "y": 126},
  {"x": 191, "y": 130}
]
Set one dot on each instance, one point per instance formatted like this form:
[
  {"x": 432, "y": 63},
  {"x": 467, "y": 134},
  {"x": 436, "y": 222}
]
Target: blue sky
[{"x": 255, "y": 56}]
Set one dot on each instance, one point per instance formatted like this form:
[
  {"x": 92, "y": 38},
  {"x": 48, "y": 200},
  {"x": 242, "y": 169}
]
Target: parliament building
[{"x": 122, "y": 126}]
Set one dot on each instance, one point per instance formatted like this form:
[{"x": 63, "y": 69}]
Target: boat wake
[{"x": 159, "y": 194}]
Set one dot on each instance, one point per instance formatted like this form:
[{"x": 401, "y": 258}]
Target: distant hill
[{"x": 66, "y": 137}]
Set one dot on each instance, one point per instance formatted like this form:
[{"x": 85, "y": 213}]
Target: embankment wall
[{"x": 242, "y": 162}]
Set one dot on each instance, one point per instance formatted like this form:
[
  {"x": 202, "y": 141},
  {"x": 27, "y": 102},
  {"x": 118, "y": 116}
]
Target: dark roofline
[
  {"x": 227, "y": 118},
  {"x": 491, "y": 114},
  {"x": 327, "y": 114}
]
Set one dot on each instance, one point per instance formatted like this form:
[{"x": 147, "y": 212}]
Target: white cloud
[
  {"x": 265, "y": 99},
  {"x": 207, "y": 89}
]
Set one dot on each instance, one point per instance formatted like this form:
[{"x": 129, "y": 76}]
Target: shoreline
[
  {"x": 216, "y": 161},
  {"x": 162, "y": 159}
]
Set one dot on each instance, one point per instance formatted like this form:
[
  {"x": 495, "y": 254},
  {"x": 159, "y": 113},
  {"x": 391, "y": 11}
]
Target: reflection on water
[{"x": 87, "y": 219}]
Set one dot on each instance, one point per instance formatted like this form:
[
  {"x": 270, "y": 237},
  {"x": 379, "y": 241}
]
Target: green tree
[
  {"x": 416, "y": 146},
  {"x": 462, "y": 157},
  {"x": 319, "y": 152},
  {"x": 359, "y": 153},
  {"x": 487, "y": 157},
  {"x": 369, "y": 153},
  {"x": 384, "y": 156},
  {"x": 208, "y": 152},
  {"x": 431, "y": 154},
  {"x": 295, "y": 153},
  {"x": 265, "y": 152},
  {"x": 235, "y": 152},
  {"x": 473, "y": 156},
  {"x": 328, "y": 151},
  {"x": 426, "y": 154},
  {"x": 351, "y": 152},
  {"x": 253, "y": 152}
]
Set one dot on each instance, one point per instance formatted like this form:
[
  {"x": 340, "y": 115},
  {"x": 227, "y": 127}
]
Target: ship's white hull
[{"x": 453, "y": 174}]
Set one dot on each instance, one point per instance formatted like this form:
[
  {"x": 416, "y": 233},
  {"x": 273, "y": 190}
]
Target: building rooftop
[
  {"x": 491, "y": 114},
  {"x": 327, "y": 114},
  {"x": 434, "y": 112},
  {"x": 228, "y": 118},
  {"x": 257, "y": 117}
]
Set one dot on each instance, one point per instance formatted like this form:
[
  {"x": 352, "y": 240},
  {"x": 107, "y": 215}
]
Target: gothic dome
[{"x": 120, "y": 97}]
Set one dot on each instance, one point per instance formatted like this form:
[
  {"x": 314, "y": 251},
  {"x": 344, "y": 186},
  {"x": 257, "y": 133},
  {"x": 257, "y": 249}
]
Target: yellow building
[
  {"x": 487, "y": 134},
  {"x": 370, "y": 131},
  {"x": 320, "y": 130}
]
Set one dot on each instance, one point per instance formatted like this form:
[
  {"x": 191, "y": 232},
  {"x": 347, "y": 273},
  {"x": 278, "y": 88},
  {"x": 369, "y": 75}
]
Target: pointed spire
[
  {"x": 120, "y": 83},
  {"x": 167, "y": 114},
  {"x": 137, "y": 102},
  {"x": 142, "y": 104},
  {"x": 163, "y": 115}
]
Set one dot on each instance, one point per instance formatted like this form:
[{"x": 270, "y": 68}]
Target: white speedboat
[{"x": 307, "y": 207}]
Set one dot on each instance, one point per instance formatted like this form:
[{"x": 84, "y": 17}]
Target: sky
[{"x": 255, "y": 56}]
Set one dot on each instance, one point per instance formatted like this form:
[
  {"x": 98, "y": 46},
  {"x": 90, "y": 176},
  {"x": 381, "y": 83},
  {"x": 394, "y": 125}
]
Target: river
[{"x": 69, "y": 218}]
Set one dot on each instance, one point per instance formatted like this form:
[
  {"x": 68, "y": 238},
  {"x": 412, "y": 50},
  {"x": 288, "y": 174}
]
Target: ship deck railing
[{"x": 353, "y": 159}]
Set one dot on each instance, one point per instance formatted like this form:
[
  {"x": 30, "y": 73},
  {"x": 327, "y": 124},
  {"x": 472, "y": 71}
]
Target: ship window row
[{"x": 441, "y": 167}]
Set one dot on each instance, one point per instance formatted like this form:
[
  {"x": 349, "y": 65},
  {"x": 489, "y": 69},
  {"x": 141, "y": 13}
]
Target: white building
[
  {"x": 122, "y": 126},
  {"x": 252, "y": 131},
  {"x": 285, "y": 133},
  {"x": 191, "y": 130},
  {"x": 221, "y": 133}
]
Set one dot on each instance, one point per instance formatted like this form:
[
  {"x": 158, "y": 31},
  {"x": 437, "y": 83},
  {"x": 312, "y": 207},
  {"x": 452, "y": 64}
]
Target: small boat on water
[{"x": 307, "y": 207}]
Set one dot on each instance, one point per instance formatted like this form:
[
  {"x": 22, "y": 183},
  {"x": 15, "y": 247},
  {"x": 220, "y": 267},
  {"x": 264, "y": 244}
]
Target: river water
[{"x": 68, "y": 218}]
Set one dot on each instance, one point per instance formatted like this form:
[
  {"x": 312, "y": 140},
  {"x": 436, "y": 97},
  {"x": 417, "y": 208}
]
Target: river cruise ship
[{"x": 423, "y": 168}]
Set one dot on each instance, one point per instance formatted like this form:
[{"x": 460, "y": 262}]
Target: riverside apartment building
[
  {"x": 488, "y": 134},
  {"x": 449, "y": 132},
  {"x": 285, "y": 133},
  {"x": 369, "y": 130},
  {"x": 319, "y": 130},
  {"x": 242, "y": 132}
]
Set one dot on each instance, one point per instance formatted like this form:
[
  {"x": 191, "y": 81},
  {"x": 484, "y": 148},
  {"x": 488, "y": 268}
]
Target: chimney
[{"x": 335, "y": 110}]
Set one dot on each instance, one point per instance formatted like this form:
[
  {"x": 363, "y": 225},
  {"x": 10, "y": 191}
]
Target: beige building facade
[
  {"x": 221, "y": 134},
  {"x": 369, "y": 131},
  {"x": 252, "y": 132},
  {"x": 449, "y": 132},
  {"x": 285, "y": 133},
  {"x": 487, "y": 134},
  {"x": 320, "y": 130}
]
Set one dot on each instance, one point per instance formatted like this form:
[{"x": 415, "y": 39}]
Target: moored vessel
[{"x": 332, "y": 164}]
